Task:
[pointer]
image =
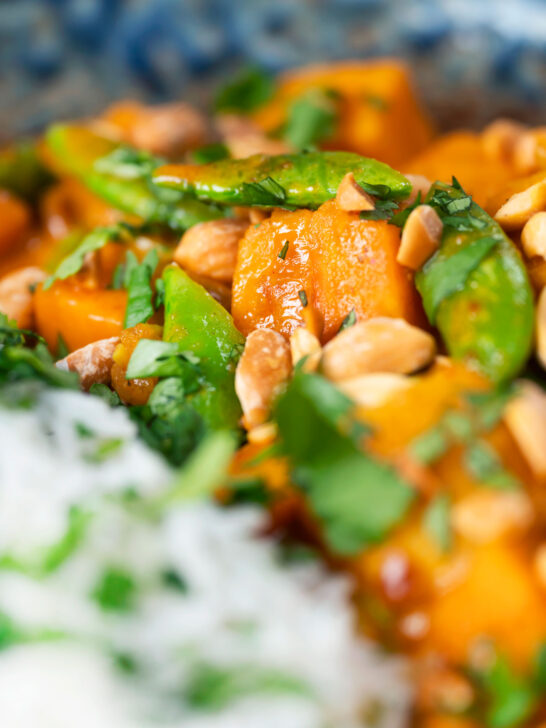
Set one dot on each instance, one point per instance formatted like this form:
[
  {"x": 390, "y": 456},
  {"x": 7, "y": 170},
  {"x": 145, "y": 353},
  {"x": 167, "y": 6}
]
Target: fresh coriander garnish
[
  {"x": 266, "y": 193},
  {"x": 284, "y": 250},
  {"x": 303, "y": 298},
  {"x": 348, "y": 321},
  {"x": 116, "y": 590},
  {"x": 312, "y": 118},
  {"x": 436, "y": 521},
  {"x": 249, "y": 90},
  {"x": 138, "y": 283}
]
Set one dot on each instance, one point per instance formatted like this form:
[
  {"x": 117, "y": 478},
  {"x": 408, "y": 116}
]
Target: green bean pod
[
  {"x": 476, "y": 290},
  {"x": 290, "y": 180},
  {"x": 203, "y": 327},
  {"x": 78, "y": 151}
]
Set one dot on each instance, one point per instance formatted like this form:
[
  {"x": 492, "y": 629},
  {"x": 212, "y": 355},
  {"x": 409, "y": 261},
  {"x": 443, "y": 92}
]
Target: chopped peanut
[
  {"x": 351, "y": 197},
  {"x": 530, "y": 151},
  {"x": 377, "y": 345},
  {"x": 372, "y": 390},
  {"x": 488, "y": 515},
  {"x": 16, "y": 294},
  {"x": 525, "y": 416},
  {"x": 168, "y": 129},
  {"x": 540, "y": 328},
  {"x": 499, "y": 139},
  {"x": 263, "y": 434},
  {"x": 93, "y": 362},
  {"x": 262, "y": 370},
  {"x": 533, "y": 236},
  {"x": 210, "y": 248},
  {"x": 419, "y": 184},
  {"x": 522, "y": 206},
  {"x": 420, "y": 238},
  {"x": 304, "y": 343},
  {"x": 246, "y": 144}
]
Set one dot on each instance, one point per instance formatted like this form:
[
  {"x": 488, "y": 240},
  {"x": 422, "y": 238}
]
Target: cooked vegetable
[
  {"x": 22, "y": 172},
  {"x": 79, "y": 151},
  {"x": 202, "y": 327},
  {"x": 285, "y": 180},
  {"x": 475, "y": 289}
]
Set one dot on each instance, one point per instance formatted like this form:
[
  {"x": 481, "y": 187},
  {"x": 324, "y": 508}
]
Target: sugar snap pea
[
  {"x": 289, "y": 180},
  {"x": 475, "y": 288},
  {"x": 82, "y": 153}
]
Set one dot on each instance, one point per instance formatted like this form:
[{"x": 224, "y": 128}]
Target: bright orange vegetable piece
[
  {"x": 133, "y": 391},
  {"x": 80, "y": 315},
  {"x": 461, "y": 154},
  {"x": 379, "y": 114},
  {"x": 338, "y": 260},
  {"x": 14, "y": 221}
]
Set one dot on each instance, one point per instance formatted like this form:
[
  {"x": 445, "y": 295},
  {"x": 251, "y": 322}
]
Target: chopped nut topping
[
  {"x": 525, "y": 416},
  {"x": 420, "y": 238},
  {"x": 263, "y": 369},
  {"x": 210, "y": 248},
  {"x": 305, "y": 344},
  {"x": 16, "y": 294},
  {"x": 372, "y": 390},
  {"x": 92, "y": 362},
  {"x": 377, "y": 345},
  {"x": 351, "y": 197},
  {"x": 522, "y": 206},
  {"x": 499, "y": 138},
  {"x": 530, "y": 150},
  {"x": 488, "y": 515},
  {"x": 419, "y": 184},
  {"x": 533, "y": 236}
]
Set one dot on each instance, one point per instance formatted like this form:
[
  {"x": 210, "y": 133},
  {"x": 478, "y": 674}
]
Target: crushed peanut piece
[
  {"x": 247, "y": 143},
  {"x": 16, "y": 294},
  {"x": 517, "y": 210},
  {"x": 372, "y": 390},
  {"x": 263, "y": 369},
  {"x": 351, "y": 197},
  {"x": 210, "y": 248},
  {"x": 378, "y": 345},
  {"x": 420, "y": 238},
  {"x": 488, "y": 515},
  {"x": 169, "y": 129},
  {"x": 533, "y": 236},
  {"x": 305, "y": 344},
  {"x": 419, "y": 184},
  {"x": 263, "y": 434},
  {"x": 540, "y": 328},
  {"x": 525, "y": 417},
  {"x": 530, "y": 151},
  {"x": 499, "y": 139},
  {"x": 93, "y": 362}
]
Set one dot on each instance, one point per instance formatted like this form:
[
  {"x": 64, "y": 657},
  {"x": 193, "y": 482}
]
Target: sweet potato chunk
[
  {"x": 339, "y": 261},
  {"x": 462, "y": 154},
  {"x": 80, "y": 315},
  {"x": 379, "y": 115}
]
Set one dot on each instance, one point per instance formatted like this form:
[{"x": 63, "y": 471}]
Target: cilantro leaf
[
  {"x": 511, "y": 699},
  {"x": 312, "y": 118},
  {"x": 356, "y": 498},
  {"x": 436, "y": 521},
  {"x": 139, "y": 303},
  {"x": 444, "y": 277},
  {"x": 249, "y": 90},
  {"x": 210, "y": 153},
  {"x": 152, "y": 358},
  {"x": 266, "y": 193},
  {"x": 127, "y": 163},
  {"x": 348, "y": 321},
  {"x": 92, "y": 242},
  {"x": 116, "y": 590}
]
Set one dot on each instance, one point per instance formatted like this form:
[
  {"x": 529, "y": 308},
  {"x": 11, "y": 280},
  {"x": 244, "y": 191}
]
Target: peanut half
[
  {"x": 377, "y": 345},
  {"x": 420, "y": 238},
  {"x": 93, "y": 362},
  {"x": 16, "y": 293},
  {"x": 351, "y": 197},
  {"x": 263, "y": 369},
  {"x": 521, "y": 207},
  {"x": 210, "y": 248}
]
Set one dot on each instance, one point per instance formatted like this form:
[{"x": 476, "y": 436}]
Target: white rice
[{"x": 244, "y": 613}]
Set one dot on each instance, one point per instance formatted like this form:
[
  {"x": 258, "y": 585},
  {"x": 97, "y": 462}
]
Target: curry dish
[{"x": 359, "y": 302}]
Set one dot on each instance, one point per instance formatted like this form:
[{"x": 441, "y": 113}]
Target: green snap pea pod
[
  {"x": 292, "y": 180},
  {"x": 202, "y": 326},
  {"x": 475, "y": 288},
  {"x": 22, "y": 172},
  {"x": 79, "y": 151}
]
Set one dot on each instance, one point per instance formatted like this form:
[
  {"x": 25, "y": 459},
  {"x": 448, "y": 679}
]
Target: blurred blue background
[{"x": 473, "y": 59}]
